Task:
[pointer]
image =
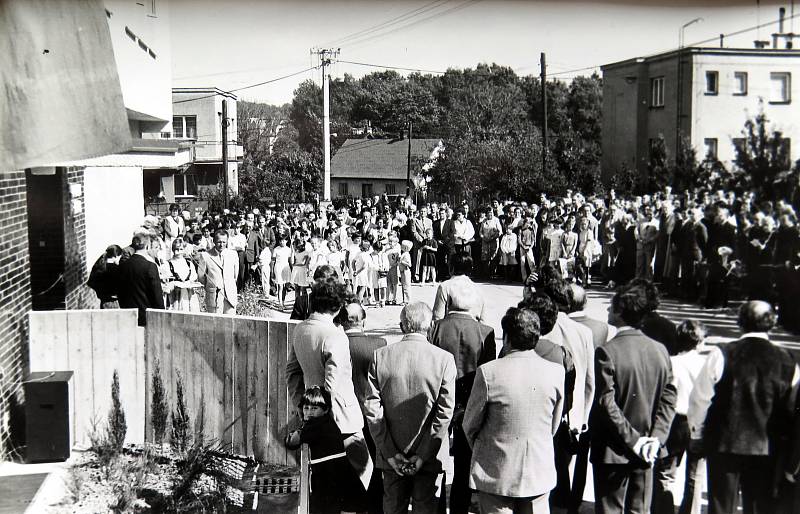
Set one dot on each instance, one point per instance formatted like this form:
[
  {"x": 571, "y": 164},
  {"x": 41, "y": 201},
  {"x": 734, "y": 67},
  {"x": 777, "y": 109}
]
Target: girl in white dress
[
  {"x": 351, "y": 255},
  {"x": 362, "y": 275},
  {"x": 301, "y": 257},
  {"x": 264, "y": 261},
  {"x": 335, "y": 258},
  {"x": 283, "y": 270},
  {"x": 379, "y": 267},
  {"x": 183, "y": 270}
]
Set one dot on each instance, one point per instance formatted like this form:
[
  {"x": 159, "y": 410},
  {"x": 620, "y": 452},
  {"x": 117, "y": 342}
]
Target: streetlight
[{"x": 679, "y": 88}]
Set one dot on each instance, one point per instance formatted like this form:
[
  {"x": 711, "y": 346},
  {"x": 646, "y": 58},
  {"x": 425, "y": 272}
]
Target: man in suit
[
  {"x": 527, "y": 241},
  {"x": 217, "y": 271},
  {"x": 459, "y": 284},
  {"x": 633, "y": 410},
  {"x": 419, "y": 224},
  {"x": 320, "y": 355},
  {"x": 362, "y": 349},
  {"x": 740, "y": 414},
  {"x": 409, "y": 407},
  {"x": 365, "y": 227},
  {"x": 252, "y": 250},
  {"x": 654, "y": 325},
  {"x": 512, "y": 414},
  {"x": 139, "y": 282},
  {"x": 578, "y": 340},
  {"x": 444, "y": 233},
  {"x": 471, "y": 343},
  {"x": 646, "y": 235},
  {"x": 691, "y": 241}
]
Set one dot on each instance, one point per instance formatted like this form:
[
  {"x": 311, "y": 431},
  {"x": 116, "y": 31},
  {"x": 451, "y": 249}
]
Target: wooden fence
[
  {"x": 232, "y": 369},
  {"x": 233, "y": 374},
  {"x": 92, "y": 344}
]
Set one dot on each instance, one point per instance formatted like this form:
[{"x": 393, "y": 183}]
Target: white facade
[{"x": 722, "y": 116}]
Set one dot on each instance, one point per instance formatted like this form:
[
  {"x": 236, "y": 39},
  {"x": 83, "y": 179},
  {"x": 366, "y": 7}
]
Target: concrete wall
[
  {"x": 15, "y": 299},
  {"x": 378, "y": 186},
  {"x": 114, "y": 207},
  {"x": 146, "y": 81},
  {"x": 723, "y": 116}
]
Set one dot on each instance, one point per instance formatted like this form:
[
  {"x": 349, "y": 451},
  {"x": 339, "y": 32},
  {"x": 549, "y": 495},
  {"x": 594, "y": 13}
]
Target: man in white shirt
[{"x": 463, "y": 233}]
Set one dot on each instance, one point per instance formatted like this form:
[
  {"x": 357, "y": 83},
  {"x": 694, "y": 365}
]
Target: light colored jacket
[
  {"x": 578, "y": 339},
  {"x": 217, "y": 271},
  {"x": 320, "y": 355},
  {"x": 512, "y": 415},
  {"x": 410, "y": 401},
  {"x": 462, "y": 285}
]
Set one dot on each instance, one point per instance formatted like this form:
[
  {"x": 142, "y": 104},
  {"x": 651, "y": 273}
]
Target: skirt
[
  {"x": 300, "y": 275},
  {"x": 283, "y": 273}
]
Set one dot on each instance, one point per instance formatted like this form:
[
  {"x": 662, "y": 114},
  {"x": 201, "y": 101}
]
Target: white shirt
[
  {"x": 686, "y": 368},
  {"x": 463, "y": 231},
  {"x": 703, "y": 393}
]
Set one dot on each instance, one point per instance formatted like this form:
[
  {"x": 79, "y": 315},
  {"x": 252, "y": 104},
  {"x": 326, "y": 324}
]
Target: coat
[
  {"x": 459, "y": 284},
  {"x": 362, "y": 349},
  {"x": 635, "y": 397},
  {"x": 320, "y": 355},
  {"x": 512, "y": 415},
  {"x": 445, "y": 234},
  {"x": 410, "y": 401},
  {"x": 217, "y": 271},
  {"x": 140, "y": 286}
]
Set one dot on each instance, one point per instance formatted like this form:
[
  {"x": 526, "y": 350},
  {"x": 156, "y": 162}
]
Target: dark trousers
[
  {"x": 375, "y": 489},
  {"x": 728, "y": 473},
  {"x": 460, "y": 493},
  {"x": 568, "y": 493},
  {"x": 622, "y": 488},
  {"x": 417, "y": 490}
]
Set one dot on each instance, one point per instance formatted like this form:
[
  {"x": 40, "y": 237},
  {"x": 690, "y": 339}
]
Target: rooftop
[
  {"x": 379, "y": 158},
  {"x": 695, "y": 50},
  {"x": 202, "y": 91}
]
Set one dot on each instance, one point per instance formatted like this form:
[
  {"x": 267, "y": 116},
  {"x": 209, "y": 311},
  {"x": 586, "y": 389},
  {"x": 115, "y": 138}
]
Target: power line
[
  {"x": 392, "y": 21},
  {"x": 270, "y": 81},
  {"x": 391, "y": 67}
]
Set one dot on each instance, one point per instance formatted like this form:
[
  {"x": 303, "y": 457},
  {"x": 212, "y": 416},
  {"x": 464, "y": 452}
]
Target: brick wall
[
  {"x": 15, "y": 299},
  {"x": 76, "y": 268}
]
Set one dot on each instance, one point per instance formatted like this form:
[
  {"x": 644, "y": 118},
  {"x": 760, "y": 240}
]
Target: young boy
[
  {"x": 404, "y": 269},
  {"x": 335, "y": 486}
]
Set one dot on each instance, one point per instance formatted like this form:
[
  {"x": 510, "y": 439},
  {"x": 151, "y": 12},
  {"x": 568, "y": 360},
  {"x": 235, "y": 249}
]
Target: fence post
[{"x": 303, "y": 505}]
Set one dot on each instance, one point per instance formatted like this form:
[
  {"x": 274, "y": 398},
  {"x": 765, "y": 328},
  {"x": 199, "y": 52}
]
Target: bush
[
  {"x": 181, "y": 424},
  {"x": 159, "y": 409},
  {"x": 117, "y": 427}
]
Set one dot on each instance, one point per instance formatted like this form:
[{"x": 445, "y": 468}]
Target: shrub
[
  {"x": 117, "y": 427},
  {"x": 181, "y": 424},
  {"x": 159, "y": 409}
]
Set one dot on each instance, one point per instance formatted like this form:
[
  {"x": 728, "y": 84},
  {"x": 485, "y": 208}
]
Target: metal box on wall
[{"x": 47, "y": 425}]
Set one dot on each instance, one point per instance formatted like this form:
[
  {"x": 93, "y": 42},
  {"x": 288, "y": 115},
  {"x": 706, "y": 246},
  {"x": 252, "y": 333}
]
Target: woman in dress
[
  {"x": 301, "y": 257},
  {"x": 283, "y": 269},
  {"x": 183, "y": 296},
  {"x": 379, "y": 268},
  {"x": 362, "y": 276},
  {"x": 335, "y": 259}
]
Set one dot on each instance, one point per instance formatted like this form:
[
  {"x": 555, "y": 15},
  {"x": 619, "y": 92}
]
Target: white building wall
[
  {"x": 114, "y": 202},
  {"x": 723, "y": 116},
  {"x": 146, "y": 81}
]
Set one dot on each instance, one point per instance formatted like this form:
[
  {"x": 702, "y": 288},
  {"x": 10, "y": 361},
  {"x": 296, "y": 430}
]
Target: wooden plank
[
  {"x": 305, "y": 485},
  {"x": 277, "y": 419},
  {"x": 153, "y": 335},
  {"x": 204, "y": 380},
  {"x": 48, "y": 338},
  {"x": 141, "y": 375},
  {"x": 79, "y": 327},
  {"x": 244, "y": 333},
  {"x": 219, "y": 408},
  {"x": 124, "y": 353},
  {"x": 289, "y": 417},
  {"x": 258, "y": 389}
]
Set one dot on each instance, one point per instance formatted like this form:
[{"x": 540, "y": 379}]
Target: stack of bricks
[{"x": 15, "y": 295}]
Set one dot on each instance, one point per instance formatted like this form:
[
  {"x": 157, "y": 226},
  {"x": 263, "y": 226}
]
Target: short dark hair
[
  {"x": 462, "y": 263},
  {"x": 559, "y": 292},
  {"x": 690, "y": 334},
  {"x": 327, "y": 296},
  {"x": 545, "y": 309},
  {"x": 651, "y": 291},
  {"x": 316, "y": 396},
  {"x": 631, "y": 304},
  {"x": 324, "y": 272},
  {"x": 139, "y": 241},
  {"x": 520, "y": 328},
  {"x": 756, "y": 316},
  {"x": 220, "y": 232}
]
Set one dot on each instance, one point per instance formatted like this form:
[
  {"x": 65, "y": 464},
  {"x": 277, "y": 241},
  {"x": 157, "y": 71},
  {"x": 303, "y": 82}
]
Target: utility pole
[
  {"x": 408, "y": 165},
  {"x": 543, "y": 80},
  {"x": 225, "y": 124},
  {"x": 326, "y": 56}
]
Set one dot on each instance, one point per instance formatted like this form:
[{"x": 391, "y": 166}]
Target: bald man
[
  {"x": 600, "y": 329},
  {"x": 740, "y": 412}
]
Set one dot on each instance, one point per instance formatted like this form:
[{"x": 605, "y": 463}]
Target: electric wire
[{"x": 270, "y": 81}]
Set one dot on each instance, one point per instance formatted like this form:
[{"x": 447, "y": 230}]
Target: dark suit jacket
[
  {"x": 255, "y": 243},
  {"x": 362, "y": 348},
  {"x": 470, "y": 342},
  {"x": 635, "y": 397},
  {"x": 691, "y": 241},
  {"x": 140, "y": 286},
  {"x": 444, "y": 234},
  {"x": 599, "y": 328},
  {"x": 657, "y": 327}
]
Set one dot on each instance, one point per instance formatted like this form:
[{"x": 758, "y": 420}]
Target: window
[
  {"x": 712, "y": 82},
  {"x": 780, "y": 88},
  {"x": 657, "y": 92},
  {"x": 740, "y": 83},
  {"x": 184, "y": 127},
  {"x": 710, "y": 145},
  {"x": 166, "y": 135},
  {"x": 389, "y": 189},
  {"x": 343, "y": 189},
  {"x": 366, "y": 190},
  {"x": 185, "y": 185}
]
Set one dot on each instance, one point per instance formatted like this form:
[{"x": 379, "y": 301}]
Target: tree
[
  {"x": 257, "y": 123},
  {"x": 658, "y": 171},
  {"x": 762, "y": 159}
]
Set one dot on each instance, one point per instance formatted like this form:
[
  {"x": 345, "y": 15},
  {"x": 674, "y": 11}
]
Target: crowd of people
[{"x": 636, "y": 392}]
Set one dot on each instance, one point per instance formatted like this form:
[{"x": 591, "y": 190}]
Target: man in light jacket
[{"x": 512, "y": 414}]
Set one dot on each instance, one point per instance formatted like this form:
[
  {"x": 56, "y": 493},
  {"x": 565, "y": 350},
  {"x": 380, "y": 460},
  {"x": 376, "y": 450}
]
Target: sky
[{"x": 235, "y": 43}]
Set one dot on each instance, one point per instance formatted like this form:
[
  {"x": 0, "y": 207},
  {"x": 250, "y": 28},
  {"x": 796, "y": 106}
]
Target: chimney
[
  {"x": 722, "y": 40},
  {"x": 781, "y": 19}
]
